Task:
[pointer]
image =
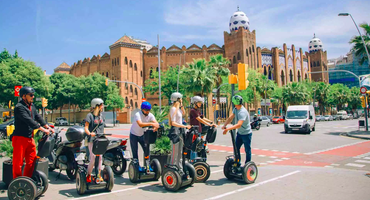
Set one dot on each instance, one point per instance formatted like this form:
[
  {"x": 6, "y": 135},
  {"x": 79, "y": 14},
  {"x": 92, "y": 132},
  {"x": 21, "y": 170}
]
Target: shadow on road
[
  {"x": 160, "y": 189},
  {"x": 224, "y": 181}
]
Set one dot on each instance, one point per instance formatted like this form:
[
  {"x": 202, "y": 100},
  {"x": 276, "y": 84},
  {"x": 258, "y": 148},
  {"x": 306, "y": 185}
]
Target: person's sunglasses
[{"x": 31, "y": 95}]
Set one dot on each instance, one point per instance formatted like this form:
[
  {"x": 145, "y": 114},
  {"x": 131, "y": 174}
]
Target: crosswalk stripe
[
  {"x": 354, "y": 165},
  {"x": 363, "y": 161}
]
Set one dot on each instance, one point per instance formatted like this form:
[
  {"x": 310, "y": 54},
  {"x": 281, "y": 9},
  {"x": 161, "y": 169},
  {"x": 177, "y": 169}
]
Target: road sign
[
  {"x": 142, "y": 100},
  {"x": 16, "y": 90},
  {"x": 363, "y": 90},
  {"x": 214, "y": 101}
]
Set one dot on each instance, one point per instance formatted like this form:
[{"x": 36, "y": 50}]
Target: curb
[{"x": 354, "y": 136}]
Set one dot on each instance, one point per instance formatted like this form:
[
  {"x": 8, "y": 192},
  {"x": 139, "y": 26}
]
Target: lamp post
[
  {"x": 313, "y": 100},
  {"x": 159, "y": 76},
  {"x": 363, "y": 42},
  {"x": 267, "y": 79}
]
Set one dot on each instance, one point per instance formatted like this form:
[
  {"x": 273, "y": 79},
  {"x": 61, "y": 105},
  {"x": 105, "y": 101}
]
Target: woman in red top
[{"x": 196, "y": 118}]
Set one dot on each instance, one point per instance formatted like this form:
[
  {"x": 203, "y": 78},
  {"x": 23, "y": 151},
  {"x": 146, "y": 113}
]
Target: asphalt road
[{"x": 320, "y": 165}]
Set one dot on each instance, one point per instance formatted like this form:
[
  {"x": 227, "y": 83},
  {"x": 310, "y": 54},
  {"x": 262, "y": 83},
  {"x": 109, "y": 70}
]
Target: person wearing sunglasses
[
  {"x": 141, "y": 119},
  {"x": 26, "y": 120}
]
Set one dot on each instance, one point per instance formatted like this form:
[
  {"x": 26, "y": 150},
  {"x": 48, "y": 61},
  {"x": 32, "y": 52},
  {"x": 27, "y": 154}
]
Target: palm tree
[
  {"x": 322, "y": 95},
  {"x": 295, "y": 94},
  {"x": 220, "y": 64},
  {"x": 359, "y": 47},
  {"x": 340, "y": 94}
]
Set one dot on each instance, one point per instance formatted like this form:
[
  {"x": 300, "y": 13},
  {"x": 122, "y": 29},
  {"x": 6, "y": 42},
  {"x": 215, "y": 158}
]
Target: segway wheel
[
  {"x": 81, "y": 182},
  {"x": 191, "y": 171},
  {"x": 156, "y": 166},
  {"x": 228, "y": 168},
  {"x": 22, "y": 188},
  {"x": 133, "y": 172},
  {"x": 250, "y": 172},
  {"x": 258, "y": 127},
  {"x": 120, "y": 164},
  {"x": 108, "y": 177},
  {"x": 202, "y": 171},
  {"x": 171, "y": 180},
  {"x": 42, "y": 182}
]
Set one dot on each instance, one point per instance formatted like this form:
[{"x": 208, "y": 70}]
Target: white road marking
[
  {"x": 335, "y": 164},
  {"x": 320, "y": 151},
  {"x": 270, "y": 161},
  {"x": 254, "y": 185},
  {"x": 273, "y": 157},
  {"x": 354, "y": 165},
  {"x": 285, "y": 151},
  {"x": 278, "y": 160},
  {"x": 275, "y": 150},
  {"x": 363, "y": 161},
  {"x": 296, "y": 152},
  {"x": 261, "y": 155},
  {"x": 285, "y": 158},
  {"x": 264, "y": 149},
  {"x": 368, "y": 158},
  {"x": 328, "y": 166}
]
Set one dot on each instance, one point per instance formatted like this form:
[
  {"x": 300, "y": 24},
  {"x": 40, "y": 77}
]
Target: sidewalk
[{"x": 358, "y": 134}]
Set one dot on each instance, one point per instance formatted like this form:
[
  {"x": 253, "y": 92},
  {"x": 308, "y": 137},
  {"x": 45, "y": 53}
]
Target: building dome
[
  {"x": 315, "y": 44},
  {"x": 237, "y": 20}
]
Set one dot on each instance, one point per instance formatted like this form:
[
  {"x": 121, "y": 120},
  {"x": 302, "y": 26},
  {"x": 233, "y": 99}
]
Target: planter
[
  {"x": 163, "y": 159},
  {"x": 43, "y": 166}
]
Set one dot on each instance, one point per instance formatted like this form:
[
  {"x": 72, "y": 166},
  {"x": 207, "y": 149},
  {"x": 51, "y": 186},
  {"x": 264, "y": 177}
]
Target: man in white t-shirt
[{"x": 142, "y": 119}]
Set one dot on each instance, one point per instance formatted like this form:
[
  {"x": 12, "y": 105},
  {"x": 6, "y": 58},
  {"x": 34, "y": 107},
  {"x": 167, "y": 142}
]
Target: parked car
[
  {"x": 350, "y": 116},
  {"x": 3, "y": 133},
  {"x": 328, "y": 118},
  {"x": 343, "y": 115},
  {"x": 61, "y": 121},
  {"x": 270, "y": 118},
  {"x": 278, "y": 119},
  {"x": 265, "y": 121},
  {"x": 320, "y": 118}
]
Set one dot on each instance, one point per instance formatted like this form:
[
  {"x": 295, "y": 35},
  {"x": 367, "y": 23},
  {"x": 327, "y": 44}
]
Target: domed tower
[
  {"x": 318, "y": 60},
  {"x": 240, "y": 43}
]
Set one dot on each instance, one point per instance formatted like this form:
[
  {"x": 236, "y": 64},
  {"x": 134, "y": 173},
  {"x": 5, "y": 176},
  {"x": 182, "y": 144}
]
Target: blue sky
[{"x": 50, "y": 32}]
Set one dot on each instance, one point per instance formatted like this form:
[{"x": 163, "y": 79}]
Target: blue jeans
[{"x": 246, "y": 140}]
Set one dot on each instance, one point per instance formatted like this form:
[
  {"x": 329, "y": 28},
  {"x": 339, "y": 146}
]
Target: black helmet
[{"x": 26, "y": 90}]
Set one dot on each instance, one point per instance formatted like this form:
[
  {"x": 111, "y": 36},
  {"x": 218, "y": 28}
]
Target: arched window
[
  {"x": 131, "y": 103},
  {"x": 264, "y": 71},
  {"x": 270, "y": 73},
  {"x": 135, "y": 104},
  {"x": 318, "y": 63},
  {"x": 246, "y": 51},
  {"x": 117, "y": 61},
  {"x": 135, "y": 91},
  {"x": 291, "y": 75},
  {"x": 151, "y": 73},
  {"x": 131, "y": 88},
  {"x": 239, "y": 56},
  {"x": 234, "y": 60},
  {"x": 135, "y": 67},
  {"x": 126, "y": 86},
  {"x": 299, "y": 76},
  {"x": 126, "y": 100},
  {"x": 253, "y": 48},
  {"x": 314, "y": 64},
  {"x": 282, "y": 78},
  {"x": 250, "y": 50},
  {"x": 112, "y": 62},
  {"x": 130, "y": 63},
  {"x": 157, "y": 69},
  {"x": 141, "y": 73},
  {"x": 107, "y": 75},
  {"x": 305, "y": 76},
  {"x": 126, "y": 60}
]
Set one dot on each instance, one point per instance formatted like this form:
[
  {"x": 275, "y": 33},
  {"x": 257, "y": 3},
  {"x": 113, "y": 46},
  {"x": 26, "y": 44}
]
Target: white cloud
[{"x": 290, "y": 22}]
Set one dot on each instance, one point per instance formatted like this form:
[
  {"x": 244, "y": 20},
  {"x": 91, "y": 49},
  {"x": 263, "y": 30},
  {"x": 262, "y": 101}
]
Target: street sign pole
[{"x": 367, "y": 127}]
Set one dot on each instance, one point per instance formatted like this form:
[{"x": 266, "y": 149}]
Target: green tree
[
  {"x": 295, "y": 94},
  {"x": 322, "y": 94},
  {"x": 340, "y": 95},
  {"x": 220, "y": 64},
  {"x": 354, "y": 98},
  {"x": 359, "y": 47}
]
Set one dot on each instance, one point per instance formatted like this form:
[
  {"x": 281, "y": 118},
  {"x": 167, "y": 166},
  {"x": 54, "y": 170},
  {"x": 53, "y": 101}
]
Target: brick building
[{"x": 133, "y": 60}]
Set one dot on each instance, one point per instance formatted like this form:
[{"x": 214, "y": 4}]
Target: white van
[
  {"x": 300, "y": 118},
  {"x": 342, "y": 115}
]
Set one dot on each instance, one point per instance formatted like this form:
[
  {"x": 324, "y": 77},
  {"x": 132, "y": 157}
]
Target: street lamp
[
  {"x": 267, "y": 78},
  {"x": 363, "y": 42}
]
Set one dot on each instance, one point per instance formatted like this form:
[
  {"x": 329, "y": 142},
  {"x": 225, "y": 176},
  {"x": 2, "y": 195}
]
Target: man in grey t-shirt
[{"x": 244, "y": 135}]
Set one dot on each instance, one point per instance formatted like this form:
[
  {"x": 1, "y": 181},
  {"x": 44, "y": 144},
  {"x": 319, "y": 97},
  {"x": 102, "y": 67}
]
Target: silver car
[
  {"x": 265, "y": 121},
  {"x": 328, "y": 118}
]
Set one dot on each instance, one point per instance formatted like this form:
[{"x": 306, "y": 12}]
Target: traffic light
[
  {"x": 10, "y": 103},
  {"x": 44, "y": 102},
  {"x": 106, "y": 82},
  {"x": 363, "y": 101},
  {"x": 233, "y": 79},
  {"x": 243, "y": 76}
]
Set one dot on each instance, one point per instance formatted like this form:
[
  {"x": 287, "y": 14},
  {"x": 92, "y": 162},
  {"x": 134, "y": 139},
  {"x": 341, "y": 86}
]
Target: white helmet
[
  {"x": 96, "y": 102},
  {"x": 175, "y": 96},
  {"x": 197, "y": 99}
]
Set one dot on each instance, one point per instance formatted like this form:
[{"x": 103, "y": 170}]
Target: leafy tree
[
  {"x": 340, "y": 94},
  {"x": 220, "y": 64},
  {"x": 354, "y": 98},
  {"x": 295, "y": 94},
  {"x": 359, "y": 47},
  {"x": 322, "y": 95}
]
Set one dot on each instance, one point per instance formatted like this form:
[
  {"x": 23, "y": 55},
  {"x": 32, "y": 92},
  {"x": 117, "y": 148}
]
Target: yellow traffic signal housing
[
  {"x": 44, "y": 102},
  {"x": 243, "y": 76},
  {"x": 363, "y": 99},
  {"x": 10, "y": 103},
  {"x": 106, "y": 82},
  {"x": 233, "y": 79}
]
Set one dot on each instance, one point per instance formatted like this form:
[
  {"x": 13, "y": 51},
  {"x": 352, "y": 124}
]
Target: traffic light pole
[
  {"x": 232, "y": 94},
  {"x": 367, "y": 127}
]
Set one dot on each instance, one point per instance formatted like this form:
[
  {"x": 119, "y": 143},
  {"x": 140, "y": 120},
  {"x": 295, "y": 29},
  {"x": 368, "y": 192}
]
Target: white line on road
[
  {"x": 261, "y": 156},
  {"x": 273, "y": 157},
  {"x": 368, "y": 158},
  {"x": 335, "y": 164},
  {"x": 362, "y": 161},
  {"x": 285, "y": 158},
  {"x": 252, "y": 186},
  {"x": 354, "y": 165}
]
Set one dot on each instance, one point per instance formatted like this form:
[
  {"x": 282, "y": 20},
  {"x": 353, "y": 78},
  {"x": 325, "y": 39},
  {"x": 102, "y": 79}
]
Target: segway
[
  {"x": 151, "y": 171},
  {"x": 173, "y": 178},
  {"x": 198, "y": 153},
  {"x": 100, "y": 145},
  {"x": 233, "y": 169},
  {"x": 25, "y": 188}
]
